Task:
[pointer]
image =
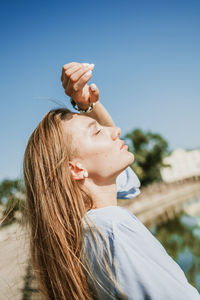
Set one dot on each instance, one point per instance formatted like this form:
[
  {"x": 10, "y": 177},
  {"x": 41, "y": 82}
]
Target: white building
[{"x": 183, "y": 163}]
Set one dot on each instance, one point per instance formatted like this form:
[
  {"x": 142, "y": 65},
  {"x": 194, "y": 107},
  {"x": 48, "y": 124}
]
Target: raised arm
[
  {"x": 74, "y": 80},
  {"x": 100, "y": 114}
]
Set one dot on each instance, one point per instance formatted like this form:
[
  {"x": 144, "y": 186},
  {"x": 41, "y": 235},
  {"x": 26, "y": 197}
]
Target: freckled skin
[{"x": 100, "y": 154}]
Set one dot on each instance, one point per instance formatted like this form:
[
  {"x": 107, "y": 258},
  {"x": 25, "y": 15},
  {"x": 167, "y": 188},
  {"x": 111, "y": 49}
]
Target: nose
[{"x": 116, "y": 133}]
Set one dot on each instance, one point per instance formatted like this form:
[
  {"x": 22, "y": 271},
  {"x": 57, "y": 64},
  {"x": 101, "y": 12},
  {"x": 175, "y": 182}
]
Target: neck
[{"x": 103, "y": 194}]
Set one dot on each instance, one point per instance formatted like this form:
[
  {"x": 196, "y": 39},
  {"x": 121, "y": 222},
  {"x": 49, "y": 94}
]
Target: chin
[{"x": 132, "y": 158}]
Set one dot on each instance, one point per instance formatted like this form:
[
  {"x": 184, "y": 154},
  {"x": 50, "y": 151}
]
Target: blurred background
[{"x": 146, "y": 56}]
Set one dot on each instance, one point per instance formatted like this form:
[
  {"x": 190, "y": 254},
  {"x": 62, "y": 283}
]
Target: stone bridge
[{"x": 160, "y": 202}]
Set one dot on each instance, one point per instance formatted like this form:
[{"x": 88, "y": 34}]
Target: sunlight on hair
[{"x": 55, "y": 206}]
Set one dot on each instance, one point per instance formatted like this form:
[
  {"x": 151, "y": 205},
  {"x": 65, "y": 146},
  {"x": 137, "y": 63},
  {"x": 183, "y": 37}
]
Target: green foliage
[
  {"x": 11, "y": 198},
  {"x": 149, "y": 150}
]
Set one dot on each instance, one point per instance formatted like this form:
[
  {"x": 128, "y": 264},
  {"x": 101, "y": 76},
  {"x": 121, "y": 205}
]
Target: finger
[
  {"x": 78, "y": 85},
  {"x": 85, "y": 64},
  {"x": 78, "y": 74},
  {"x": 68, "y": 73},
  {"x": 80, "y": 78},
  {"x": 68, "y": 90},
  {"x": 94, "y": 93},
  {"x": 66, "y": 67},
  {"x": 71, "y": 84}
]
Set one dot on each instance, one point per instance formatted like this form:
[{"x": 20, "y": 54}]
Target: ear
[{"x": 77, "y": 171}]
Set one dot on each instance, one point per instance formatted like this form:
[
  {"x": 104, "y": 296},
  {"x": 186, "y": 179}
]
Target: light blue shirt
[
  {"x": 128, "y": 184},
  {"x": 144, "y": 270}
]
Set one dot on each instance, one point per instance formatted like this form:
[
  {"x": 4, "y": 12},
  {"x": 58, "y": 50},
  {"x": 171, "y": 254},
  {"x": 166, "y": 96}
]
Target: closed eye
[{"x": 98, "y": 131}]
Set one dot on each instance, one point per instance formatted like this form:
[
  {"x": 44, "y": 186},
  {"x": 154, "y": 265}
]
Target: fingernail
[
  {"x": 93, "y": 87},
  {"x": 86, "y": 64},
  {"x": 91, "y": 65},
  {"x": 85, "y": 173},
  {"x": 88, "y": 73}
]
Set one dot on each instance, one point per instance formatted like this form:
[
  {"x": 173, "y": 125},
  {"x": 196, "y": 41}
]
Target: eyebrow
[{"x": 92, "y": 124}]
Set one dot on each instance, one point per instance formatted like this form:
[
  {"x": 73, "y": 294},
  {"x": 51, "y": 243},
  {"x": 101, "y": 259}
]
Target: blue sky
[{"x": 146, "y": 56}]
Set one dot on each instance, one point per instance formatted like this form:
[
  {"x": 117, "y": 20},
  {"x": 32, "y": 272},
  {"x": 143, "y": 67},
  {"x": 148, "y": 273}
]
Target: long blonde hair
[{"x": 54, "y": 209}]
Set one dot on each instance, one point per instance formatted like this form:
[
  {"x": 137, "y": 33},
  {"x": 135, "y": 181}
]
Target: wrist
[
  {"x": 83, "y": 106},
  {"x": 94, "y": 109},
  {"x": 87, "y": 108}
]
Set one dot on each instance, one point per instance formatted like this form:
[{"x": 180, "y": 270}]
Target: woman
[{"x": 83, "y": 246}]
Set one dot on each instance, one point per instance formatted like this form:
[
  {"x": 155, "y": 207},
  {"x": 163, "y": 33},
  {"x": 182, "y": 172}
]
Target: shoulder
[
  {"x": 110, "y": 213},
  {"x": 108, "y": 217},
  {"x": 124, "y": 228}
]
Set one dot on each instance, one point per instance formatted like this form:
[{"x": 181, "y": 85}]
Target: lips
[{"x": 122, "y": 145}]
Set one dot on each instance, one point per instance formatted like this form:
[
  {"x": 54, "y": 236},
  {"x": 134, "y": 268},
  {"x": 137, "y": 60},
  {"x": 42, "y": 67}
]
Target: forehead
[
  {"x": 75, "y": 118},
  {"x": 79, "y": 122}
]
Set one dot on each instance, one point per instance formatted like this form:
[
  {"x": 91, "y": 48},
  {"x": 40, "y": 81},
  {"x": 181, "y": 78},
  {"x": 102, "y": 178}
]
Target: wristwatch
[{"x": 75, "y": 106}]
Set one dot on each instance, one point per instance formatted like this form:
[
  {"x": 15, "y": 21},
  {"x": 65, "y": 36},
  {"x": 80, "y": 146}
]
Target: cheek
[
  {"x": 101, "y": 156},
  {"x": 102, "y": 150}
]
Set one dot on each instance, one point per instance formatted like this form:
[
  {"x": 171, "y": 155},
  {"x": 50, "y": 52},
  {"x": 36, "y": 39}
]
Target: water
[{"x": 181, "y": 239}]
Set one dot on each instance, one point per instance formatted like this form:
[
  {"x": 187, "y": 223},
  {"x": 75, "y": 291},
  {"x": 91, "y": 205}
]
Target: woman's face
[{"x": 98, "y": 147}]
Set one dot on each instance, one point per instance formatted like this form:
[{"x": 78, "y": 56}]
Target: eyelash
[{"x": 98, "y": 131}]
